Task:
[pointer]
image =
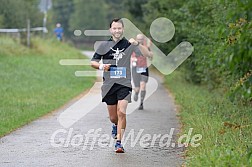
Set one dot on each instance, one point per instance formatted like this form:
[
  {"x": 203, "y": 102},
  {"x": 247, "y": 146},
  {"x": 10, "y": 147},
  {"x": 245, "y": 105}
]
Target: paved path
[{"x": 74, "y": 144}]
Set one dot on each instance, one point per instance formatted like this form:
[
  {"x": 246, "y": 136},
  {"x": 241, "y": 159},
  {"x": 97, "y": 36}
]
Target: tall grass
[
  {"x": 33, "y": 82},
  {"x": 226, "y": 128}
]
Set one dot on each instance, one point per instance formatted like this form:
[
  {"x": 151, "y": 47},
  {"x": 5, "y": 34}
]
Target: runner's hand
[
  {"x": 106, "y": 67},
  {"x": 133, "y": 41}
]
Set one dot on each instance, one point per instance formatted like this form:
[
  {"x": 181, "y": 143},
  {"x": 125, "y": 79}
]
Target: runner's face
[{"x": 116, "y": 30}]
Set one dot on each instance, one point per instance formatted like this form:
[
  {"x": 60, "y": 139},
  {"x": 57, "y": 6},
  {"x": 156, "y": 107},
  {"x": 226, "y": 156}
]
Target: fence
[{"x": 28, "y": 30}]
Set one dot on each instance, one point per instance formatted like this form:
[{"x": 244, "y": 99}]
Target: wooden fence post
[{"x": 28, "y": 32}]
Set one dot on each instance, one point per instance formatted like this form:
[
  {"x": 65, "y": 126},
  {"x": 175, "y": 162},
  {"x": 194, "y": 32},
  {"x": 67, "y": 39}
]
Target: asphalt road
[{"x": 78, "y": 134}]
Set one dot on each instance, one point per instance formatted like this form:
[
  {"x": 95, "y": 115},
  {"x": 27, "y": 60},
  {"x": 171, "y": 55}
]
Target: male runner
[{"x": 115, "y": 55}]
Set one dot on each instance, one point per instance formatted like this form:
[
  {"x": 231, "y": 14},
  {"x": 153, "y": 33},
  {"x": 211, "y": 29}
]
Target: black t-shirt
[{"x": 118, "y": 54}]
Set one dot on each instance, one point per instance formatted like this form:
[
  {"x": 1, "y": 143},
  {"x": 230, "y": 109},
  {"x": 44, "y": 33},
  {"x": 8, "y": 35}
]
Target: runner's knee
[
  {"x": 113, "y": 119},
  {"x": 142, "y": 85},
  {"x": 121, "y": 113}
]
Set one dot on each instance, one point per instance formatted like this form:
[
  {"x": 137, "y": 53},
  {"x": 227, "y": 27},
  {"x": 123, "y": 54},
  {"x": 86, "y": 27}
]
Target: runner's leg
[
  {"x": 136, "y": 80},
  {"x": 121, "y": 113},
  {"x": 112, "y": 109},
  {"x": 143, "y": 90}
]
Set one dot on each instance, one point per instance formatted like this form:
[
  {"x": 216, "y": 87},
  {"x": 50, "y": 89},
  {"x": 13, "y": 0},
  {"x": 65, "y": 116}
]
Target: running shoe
[
  {"x": 140, "y": 107},
  {"x": 119, "y": 148},
  {"x": 136, "y": 97}
]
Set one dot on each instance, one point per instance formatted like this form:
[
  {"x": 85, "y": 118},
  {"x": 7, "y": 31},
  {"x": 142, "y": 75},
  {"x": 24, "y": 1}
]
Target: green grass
[
  {"x": 33, "y": 82},
  {"x": 226, "y": 128}
]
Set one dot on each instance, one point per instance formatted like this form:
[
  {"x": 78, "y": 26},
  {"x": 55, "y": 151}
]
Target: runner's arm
[{"x": 144, "y": 50}]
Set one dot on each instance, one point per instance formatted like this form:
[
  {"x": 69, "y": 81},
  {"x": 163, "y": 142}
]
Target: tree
[
  {"x": 88, "y": 15},
  {"x": 14, "y": 14},
  {"x": 220, "y": 32},
  {"x": 61, "y": 13}
]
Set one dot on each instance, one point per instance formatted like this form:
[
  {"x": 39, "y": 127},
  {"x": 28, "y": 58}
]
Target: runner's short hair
[{"x": 116, "y": 20}]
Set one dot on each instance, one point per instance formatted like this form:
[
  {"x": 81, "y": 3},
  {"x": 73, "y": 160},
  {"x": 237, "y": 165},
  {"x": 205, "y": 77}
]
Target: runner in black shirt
[{"x": 116, "y": 89}]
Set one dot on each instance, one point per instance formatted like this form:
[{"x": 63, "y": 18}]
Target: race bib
[
  {"x": 117, "y": 72},
  {"x": 140, "y": 69}
]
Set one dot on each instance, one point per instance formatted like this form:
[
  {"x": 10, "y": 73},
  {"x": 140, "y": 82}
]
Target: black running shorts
[
  {"x": 140, "y": 77},
  {"x": 117, "y": 93}
]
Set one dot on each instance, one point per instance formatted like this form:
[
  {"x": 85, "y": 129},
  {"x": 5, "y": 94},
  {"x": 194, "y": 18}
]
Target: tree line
[{"x": 220, "y": 31}]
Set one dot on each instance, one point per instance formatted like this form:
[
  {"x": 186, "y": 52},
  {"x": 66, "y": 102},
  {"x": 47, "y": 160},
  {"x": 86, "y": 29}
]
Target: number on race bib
[
  {"x": 140, "y": 69},
  {"x": 117, "y": 72}
]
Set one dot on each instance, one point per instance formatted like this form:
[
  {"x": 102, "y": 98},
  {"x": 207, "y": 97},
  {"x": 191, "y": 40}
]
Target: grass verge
[
  {"x": 33, "y": 82},
  {"x": 226, "y": 128}
]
